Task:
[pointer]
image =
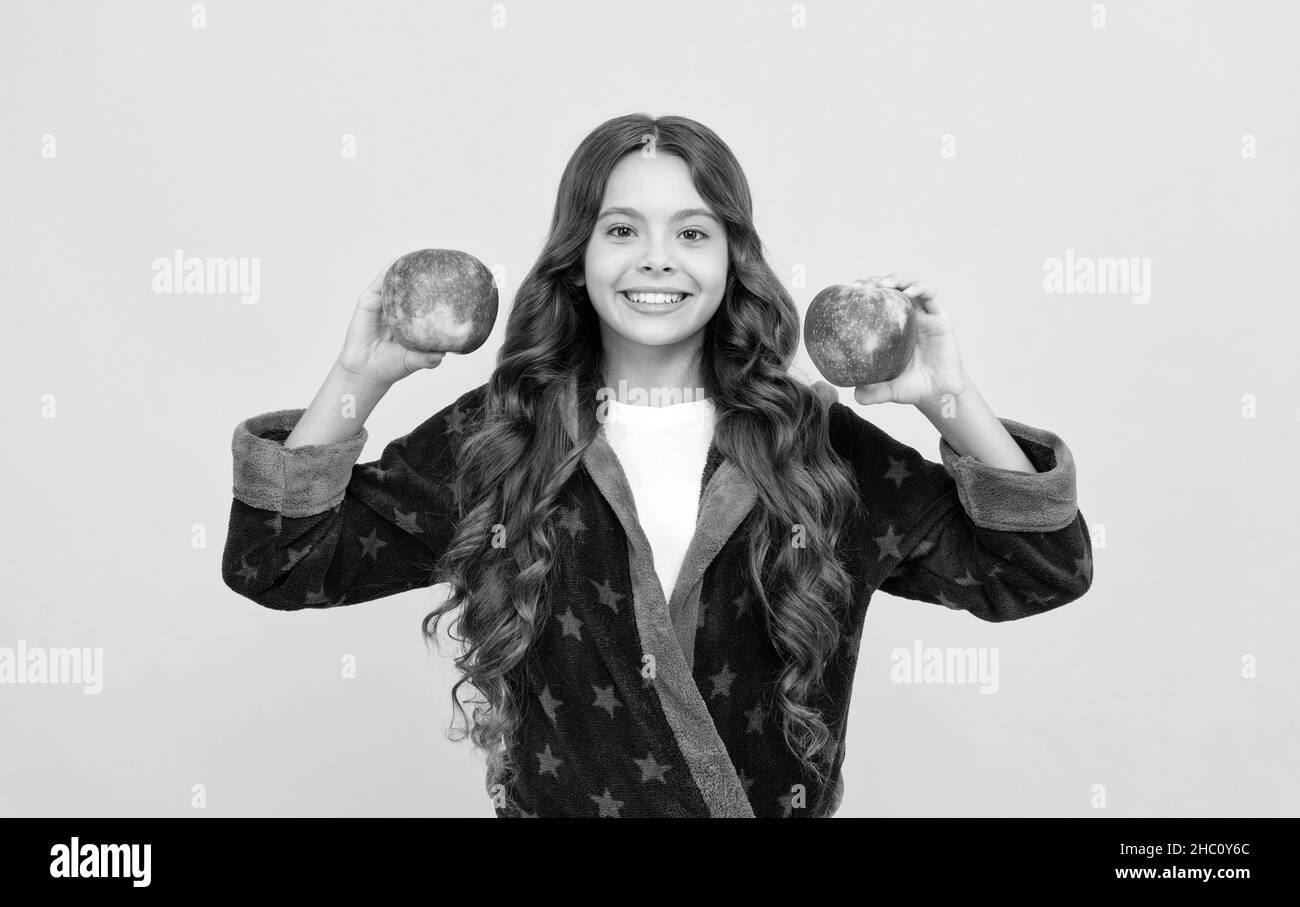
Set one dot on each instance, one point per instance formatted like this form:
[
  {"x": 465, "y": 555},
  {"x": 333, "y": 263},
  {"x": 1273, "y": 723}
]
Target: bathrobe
[{"x": 641, "y": 705}]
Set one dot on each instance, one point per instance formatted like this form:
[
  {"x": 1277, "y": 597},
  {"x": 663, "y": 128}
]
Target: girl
[{"x": 661, "y": 600}]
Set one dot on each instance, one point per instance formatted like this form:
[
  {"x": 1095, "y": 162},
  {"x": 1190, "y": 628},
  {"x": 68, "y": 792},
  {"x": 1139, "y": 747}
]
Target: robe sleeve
[
  {"x": 998, "y": 543},
  {"x": 312, "y": 528}
]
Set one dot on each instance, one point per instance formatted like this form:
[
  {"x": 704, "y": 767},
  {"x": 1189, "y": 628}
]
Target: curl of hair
[{"x": 516, "y": 455}]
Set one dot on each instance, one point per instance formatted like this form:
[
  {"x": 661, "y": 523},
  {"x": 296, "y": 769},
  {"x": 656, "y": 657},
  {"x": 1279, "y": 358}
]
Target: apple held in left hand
[{"x": 935, "y": 367}]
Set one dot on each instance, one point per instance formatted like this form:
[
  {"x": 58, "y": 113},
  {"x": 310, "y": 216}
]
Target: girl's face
[{"x": 654, "y": 233}]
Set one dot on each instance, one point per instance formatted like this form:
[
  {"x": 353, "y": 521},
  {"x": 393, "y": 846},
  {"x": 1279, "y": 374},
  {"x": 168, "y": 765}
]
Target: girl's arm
[
  {"x": 1000, "y": 543},
  {"x": 312, "y": 528},
  {"x": 328, "y": 420}
]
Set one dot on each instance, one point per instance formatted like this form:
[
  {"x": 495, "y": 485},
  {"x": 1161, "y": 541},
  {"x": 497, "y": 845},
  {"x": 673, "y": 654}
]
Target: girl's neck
[{"x": 653, "y": 376}]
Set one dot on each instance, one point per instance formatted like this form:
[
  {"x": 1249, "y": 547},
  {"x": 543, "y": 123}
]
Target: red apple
[
  {"x": 857, "y": 334},
  {"x": 440, "y": 300}
]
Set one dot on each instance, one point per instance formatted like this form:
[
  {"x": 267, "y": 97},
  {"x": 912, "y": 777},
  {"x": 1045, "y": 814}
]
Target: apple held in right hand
[
  {"x": 440, "y": 300},
  {"x": 370, "y": 354},
  {"x": 419, "y": 308}
]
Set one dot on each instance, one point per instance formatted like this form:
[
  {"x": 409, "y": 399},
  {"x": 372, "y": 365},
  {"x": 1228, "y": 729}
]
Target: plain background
[{"x": 1122, "y": 141}]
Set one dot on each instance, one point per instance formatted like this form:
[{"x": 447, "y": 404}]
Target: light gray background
[{"x": 1123, "y": 141}]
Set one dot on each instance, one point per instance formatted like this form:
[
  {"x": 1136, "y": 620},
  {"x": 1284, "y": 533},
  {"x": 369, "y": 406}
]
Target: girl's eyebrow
[{"x": 680, "y": 215}]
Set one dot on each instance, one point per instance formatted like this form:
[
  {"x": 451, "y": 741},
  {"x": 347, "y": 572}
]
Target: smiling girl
[{"x": 661, "y": 544}]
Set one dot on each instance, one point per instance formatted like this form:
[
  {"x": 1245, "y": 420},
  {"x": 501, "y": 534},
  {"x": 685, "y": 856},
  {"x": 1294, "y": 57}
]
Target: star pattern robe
[{"x": 646, "y": 706}]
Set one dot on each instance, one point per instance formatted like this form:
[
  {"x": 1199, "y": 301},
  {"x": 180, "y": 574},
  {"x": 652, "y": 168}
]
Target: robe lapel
[
  {"x": 726, "y": 501},
  {"x": 669, "y": 634}
]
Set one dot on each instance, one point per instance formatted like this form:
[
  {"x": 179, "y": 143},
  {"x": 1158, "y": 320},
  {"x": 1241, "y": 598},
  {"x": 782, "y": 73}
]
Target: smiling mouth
[{"x": 667, "y": 300}]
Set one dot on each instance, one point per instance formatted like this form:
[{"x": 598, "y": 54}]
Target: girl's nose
[{"x": 656, "y": 264}]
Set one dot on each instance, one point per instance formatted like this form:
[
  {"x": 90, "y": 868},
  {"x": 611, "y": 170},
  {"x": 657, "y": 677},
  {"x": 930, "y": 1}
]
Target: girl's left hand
[{"x": 936, "y": 368}]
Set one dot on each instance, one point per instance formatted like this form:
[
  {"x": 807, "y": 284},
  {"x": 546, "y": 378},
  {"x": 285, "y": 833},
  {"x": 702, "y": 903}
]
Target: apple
[
  {"x": 439, "y": 301},
  {"x": 858, "y": 334}
]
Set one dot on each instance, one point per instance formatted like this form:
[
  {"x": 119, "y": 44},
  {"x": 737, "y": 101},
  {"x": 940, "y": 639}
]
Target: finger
[
  {"x": 867, "y": 394},
  {"x": 896, "y": 281},
  {"x": 413, "y": 360},
  {"x": 376, "y": 284},
  {"x": 371, "y": 298},
  {"x": 926, "y": 298},
  {"x": 379, "y": 278},
  {"x": 373, "y": 292},
  {"x": 921, "y": 293}
]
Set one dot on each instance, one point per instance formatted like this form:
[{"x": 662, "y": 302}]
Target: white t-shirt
[{"x": 662, "y": 450}]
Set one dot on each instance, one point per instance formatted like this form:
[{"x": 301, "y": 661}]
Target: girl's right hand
[{"x": 369, "y": 350}]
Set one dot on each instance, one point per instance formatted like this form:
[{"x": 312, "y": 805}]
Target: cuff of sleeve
[
  {"x": 1013, "y": 501},
  {"x": 297, "y": 482}
]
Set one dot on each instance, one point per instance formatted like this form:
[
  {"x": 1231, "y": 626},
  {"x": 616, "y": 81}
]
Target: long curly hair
[{"x": 515, "y": 455}]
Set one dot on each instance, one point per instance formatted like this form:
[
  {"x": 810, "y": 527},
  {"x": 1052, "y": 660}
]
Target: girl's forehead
[{"x": 659, "y": 174}]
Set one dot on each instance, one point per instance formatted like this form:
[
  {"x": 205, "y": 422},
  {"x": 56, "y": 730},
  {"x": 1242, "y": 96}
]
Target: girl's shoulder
[
  {"x": 850, "y": 432},
  {"x": 447, "y": 426},
  {"x": 856, "y": 437},
  {"x": 893, "y": 478}
]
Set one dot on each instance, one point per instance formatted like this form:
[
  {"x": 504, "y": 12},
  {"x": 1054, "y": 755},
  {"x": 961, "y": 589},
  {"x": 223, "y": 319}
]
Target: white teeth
[{"x": 656, "y": 298}]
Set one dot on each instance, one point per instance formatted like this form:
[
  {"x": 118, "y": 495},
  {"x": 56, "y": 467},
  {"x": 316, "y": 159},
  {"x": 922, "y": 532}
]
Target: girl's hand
[
  {"x": 935, "y": 368},
  {"x": 369, "y": 351}
]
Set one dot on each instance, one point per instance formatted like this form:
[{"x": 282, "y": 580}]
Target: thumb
[
  {"x": 867, "y": 394},
  {"x": 414, "y": 360}
]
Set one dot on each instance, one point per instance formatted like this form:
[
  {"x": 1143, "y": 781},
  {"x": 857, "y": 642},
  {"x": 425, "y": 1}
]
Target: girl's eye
[{"x": 696, "y": 230}]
